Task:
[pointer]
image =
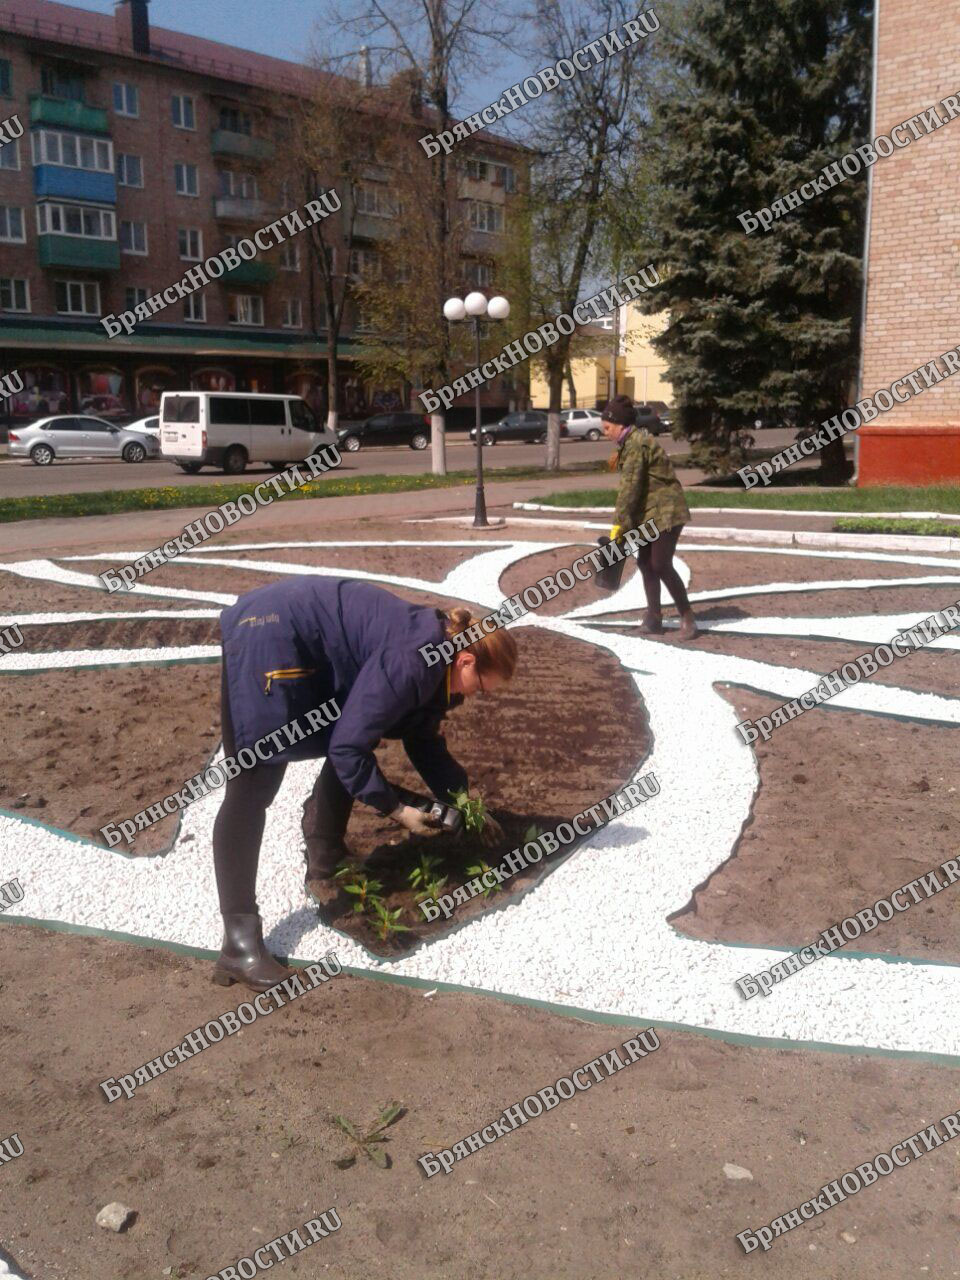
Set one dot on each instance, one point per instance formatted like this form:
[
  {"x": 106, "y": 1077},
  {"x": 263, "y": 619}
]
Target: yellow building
[{"x": 641, "y": 372}]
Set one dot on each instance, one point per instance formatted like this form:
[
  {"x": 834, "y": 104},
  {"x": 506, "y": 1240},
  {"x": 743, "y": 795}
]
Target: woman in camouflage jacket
[{"x": 649, "y": 490}]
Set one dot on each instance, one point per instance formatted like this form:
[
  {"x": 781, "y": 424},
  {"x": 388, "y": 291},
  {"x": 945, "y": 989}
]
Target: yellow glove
[{"x": 614, "y": 532}]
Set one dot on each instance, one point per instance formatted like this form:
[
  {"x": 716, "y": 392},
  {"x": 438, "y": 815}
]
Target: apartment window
[
  {"x": 376, "y": 200},
  {"x": 190, "y": 243},
  {"x": 195, "y": 308},
  {"x": 130, "y": 171},
  {"x": 77, "y": 298},
  {"x": 486, "y": 217},
  {"x": 364, "y": 322},
  {"x": 505, "y": 176},
  {"x": 10, "y": 155},
  {"x": 290, "y": 257},
  {"x": 14, "y": 294},
  {"x": 58, "y": 82},
  {"x": 72, "y": 151},
  {"x": 185, "y": 178},
  {"x": 292, "y": 314},
  {"x": 477, "y": 170},
  {"x": 236, "y": 121},
  {"x": 126, "y": 100},
  {"x": 239, "y": 185},
  {"x": 184, "y": 115},
  {"x": 133, "y": 237},
  {"x": 365, "y": 263},
  {"x": 6, "y": 80},
  {"x": 89, "y": 222},
  {"x": 245, "y": 308},
  {"x": 135, "y": 298},
  {"x": 11, "y": 224},
  {"x": 480, "y": 275}
]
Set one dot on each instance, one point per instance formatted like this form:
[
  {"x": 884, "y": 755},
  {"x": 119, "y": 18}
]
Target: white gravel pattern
[{"x": 593, "y": 934}]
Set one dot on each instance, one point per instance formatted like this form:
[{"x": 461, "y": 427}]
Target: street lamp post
[{"x": 475, "y": 306}]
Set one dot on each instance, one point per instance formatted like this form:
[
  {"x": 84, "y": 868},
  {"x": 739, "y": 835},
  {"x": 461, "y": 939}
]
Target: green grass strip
[
  {"x": 884, "y": 498},
  {"x": 113, "y": 501},
  {"x": 926, "y": 528}
]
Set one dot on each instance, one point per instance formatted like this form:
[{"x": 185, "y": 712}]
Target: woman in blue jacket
[{"x": 316, "y": 666}]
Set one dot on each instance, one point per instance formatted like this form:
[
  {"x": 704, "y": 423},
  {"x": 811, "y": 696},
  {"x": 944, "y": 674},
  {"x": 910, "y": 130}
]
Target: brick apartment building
[
  {"x": 913, "y": 270},
  {"x": 145, "y": 152}
]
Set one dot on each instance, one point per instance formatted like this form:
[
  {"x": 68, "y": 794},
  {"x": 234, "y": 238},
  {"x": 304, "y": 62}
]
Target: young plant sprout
[
  {"x": 473, "y": 810},
  {"x": 480, "y": 869},
  {"x": 425, "y": 878},
  {"x": 369, "y": 1143},
  {"x": 359, "y": 885},
  {"x": 386, "y": 923}
]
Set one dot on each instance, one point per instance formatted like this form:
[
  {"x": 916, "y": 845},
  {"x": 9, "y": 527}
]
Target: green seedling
[
  {"x": 386, "y": 923},
  {"x": 424, "y": 878},
  {"x": 480, "y": 869},
  {"x": 532, "y": 833},
  {"x": 360, "y": 886},
  {"x": 370, "y": 1143},
  {"x": 473, "y": 810}
]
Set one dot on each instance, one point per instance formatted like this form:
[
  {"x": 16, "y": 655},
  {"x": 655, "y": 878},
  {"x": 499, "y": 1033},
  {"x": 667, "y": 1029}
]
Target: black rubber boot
[{"x": 244, "y": 958}]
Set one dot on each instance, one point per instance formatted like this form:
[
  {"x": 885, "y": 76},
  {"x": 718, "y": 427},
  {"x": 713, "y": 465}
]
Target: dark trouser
[
  {"x": 238, "y": 829},
  {"x": 656, "y": 564}
]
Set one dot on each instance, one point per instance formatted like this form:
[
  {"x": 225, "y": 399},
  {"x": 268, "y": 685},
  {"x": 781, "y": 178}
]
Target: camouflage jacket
[{"x": 649, "y": 488}]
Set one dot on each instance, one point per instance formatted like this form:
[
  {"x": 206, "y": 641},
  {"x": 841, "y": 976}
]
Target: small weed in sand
[{"x": 370, "y": 1143}]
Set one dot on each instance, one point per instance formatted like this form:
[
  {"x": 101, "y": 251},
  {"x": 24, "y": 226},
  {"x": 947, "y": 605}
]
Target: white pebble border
[{"x": 593, "y": 934}]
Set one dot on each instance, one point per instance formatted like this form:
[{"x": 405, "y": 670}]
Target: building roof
[{"x": 79, "y": 28}]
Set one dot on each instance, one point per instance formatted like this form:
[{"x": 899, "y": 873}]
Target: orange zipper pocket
[{"x": 287, "y": 673}]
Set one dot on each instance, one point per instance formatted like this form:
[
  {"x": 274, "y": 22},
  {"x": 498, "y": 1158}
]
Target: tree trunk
[
  {"x": 834, "y": 467},
  {"x": 333, "y": 406},
  {"x": 555, "y": 379},
  {"x": 438, "y": 444},
  {"x": 571, "y": 384}
]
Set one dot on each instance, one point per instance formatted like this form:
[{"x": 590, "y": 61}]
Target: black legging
[
  {"x": 238, "y": 829},
  {"x": 656, "y": 564}
]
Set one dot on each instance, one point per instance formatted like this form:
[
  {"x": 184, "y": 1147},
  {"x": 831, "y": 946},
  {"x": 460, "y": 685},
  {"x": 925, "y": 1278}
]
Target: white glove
[{"x": 416, "y": 822}]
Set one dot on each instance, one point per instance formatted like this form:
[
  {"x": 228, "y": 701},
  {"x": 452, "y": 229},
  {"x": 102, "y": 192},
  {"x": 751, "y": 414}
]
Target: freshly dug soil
[
  {"x": 517, "y": 747},
  {"x": 20, "y": 596},
  {"x": 99, "y": 750},
  {"x": 527, "y": 573},
  {"x": 432, "y": 564},
  {"x": 237, "y": 1145},
  {"x": 717, "y": 569},
  {"x": 150, "y": 633},
  {"x": 851, "y": 806}
]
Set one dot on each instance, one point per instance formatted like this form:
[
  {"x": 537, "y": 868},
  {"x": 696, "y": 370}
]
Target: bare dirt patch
[
  {"x": 851, "y": 806},
  {"x": 236, "y": 1146}
]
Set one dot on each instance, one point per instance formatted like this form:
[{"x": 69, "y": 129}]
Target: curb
[
  {"x": 779, "y": 537},
  {"x": 757, "y": 511}
]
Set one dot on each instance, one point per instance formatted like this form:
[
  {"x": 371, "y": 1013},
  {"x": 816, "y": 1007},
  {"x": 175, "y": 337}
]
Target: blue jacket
[{"x": 292, "y": 645}]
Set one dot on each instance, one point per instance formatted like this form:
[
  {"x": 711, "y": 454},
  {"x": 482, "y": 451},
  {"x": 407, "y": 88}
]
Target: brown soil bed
[
  {"x": 717, "y": 569},
  {"x": 29, "y": 595},
  {"x": 850, "y": 807},
  {"x": 99, "y": 750},
  {"x": 236, "y": 1146},
  {"x": 136, "y": 633},
  {"x": 434, "y": 564},
  {"x": 926, "y": 671},
  {"x": 517, "y": 747},
  {"x": 527, "y": 573}
]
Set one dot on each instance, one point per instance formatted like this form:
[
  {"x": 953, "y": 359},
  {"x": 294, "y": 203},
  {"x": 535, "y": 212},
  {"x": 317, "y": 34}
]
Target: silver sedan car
[
  {"x": 80, "y": 436},
  {"x": 582, "y": 424}
]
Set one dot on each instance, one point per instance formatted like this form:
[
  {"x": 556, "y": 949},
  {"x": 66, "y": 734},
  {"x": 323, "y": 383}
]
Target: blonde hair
[{"x": 495, "y": 651}]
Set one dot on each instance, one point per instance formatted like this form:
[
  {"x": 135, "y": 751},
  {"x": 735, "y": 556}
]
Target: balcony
[
  {"x": 224, "y": 142},
  {"x": 369, "y": 227},
  {"x": 250, "y": 273},
  {"x": 74, "y": 184},
  {"x": 240, "y": 209},
  {"x": 76, "y": 251},
  {"x": 63, "y": 114}
]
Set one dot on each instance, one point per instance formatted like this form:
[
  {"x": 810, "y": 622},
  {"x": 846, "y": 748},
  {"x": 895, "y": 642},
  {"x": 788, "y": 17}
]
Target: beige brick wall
[{"x": 913, "y": 299}]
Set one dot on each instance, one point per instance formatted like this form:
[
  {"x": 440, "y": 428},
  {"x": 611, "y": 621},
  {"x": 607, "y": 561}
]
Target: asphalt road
[{"x": 19, "y": 478}]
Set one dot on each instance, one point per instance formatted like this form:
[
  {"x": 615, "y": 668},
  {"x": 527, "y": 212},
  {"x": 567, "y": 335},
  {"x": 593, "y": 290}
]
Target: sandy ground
[{"x": 237, "y": 1146}]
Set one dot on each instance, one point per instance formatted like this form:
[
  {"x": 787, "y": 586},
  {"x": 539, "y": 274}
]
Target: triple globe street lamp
[{"x": 475, "y": 306}]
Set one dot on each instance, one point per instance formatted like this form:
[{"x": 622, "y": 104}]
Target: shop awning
[{"x": 52, "y": 339}]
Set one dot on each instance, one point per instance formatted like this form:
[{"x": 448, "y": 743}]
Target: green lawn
[
  {"x": 884, "y": 498},
  {"x": 927, "y": 528},
  {"x": 112, "y": 502}
]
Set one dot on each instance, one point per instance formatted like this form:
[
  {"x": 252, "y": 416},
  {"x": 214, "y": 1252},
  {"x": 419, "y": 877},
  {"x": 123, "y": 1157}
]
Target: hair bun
[{"x": 460, "y": 616}]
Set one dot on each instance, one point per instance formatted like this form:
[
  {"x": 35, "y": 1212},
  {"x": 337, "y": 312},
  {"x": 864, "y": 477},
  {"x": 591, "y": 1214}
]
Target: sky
[{"x": 252, "y": 24}]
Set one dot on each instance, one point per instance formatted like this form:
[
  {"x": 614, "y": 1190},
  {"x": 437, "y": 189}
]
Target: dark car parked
[
  {"x": 530, "y": 424},
  {"x": 411, "y": 429},
  {"x": 648, "y": 417}
]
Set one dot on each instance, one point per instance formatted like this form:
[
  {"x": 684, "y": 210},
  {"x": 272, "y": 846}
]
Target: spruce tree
[{"x": 761, "y": 98}]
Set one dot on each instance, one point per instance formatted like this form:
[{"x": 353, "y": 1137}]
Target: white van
[{"x": 228, "y": 429}]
